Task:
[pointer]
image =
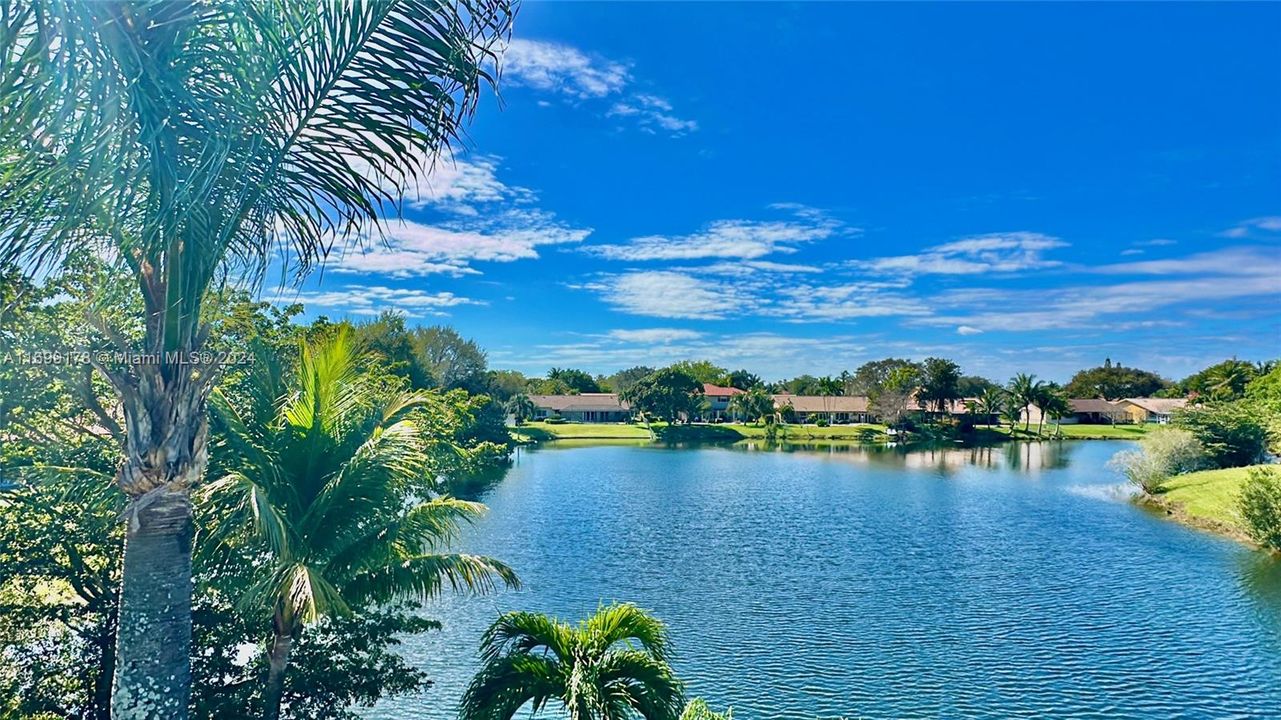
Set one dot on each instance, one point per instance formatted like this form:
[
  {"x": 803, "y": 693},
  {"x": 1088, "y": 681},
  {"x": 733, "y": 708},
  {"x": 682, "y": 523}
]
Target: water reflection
[
  {"x": 944, "y": 459},
  {"x": 1260, "y": 577}
]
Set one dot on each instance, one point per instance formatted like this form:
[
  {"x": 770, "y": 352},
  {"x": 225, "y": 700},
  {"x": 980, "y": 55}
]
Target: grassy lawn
[
  {"x": 540, "y": 432},
  {"x": 1207, "y": 498},
  {"x": 1082, "y": 432}
]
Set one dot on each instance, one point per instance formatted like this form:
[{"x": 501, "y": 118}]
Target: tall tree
[
  {"x": 940, "y": 383},
  {"x": 578, "y": 381},
  {"x": 451, "y": 360},
  {"x": 1113, "y": 382},
  {"x": 870, "y": 377},
  {"x": 332, "y": 475},
  {"x": 1025, "y": 390},
  {"x": 704, "y": 371},
  {"x": 622, "y": 380},
  {"x": 741, "y": 379},
  {"x": 667, "y": 394},
  {"x": 612, "y": 666},
  {"x": 191, "y": 140}
]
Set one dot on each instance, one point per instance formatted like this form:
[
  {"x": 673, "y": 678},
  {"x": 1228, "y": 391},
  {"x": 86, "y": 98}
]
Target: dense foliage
[
  {"x": 1232, "y": 434},
  {"x": 1260, "y": 506},
  {"x": 1163, "y": 453},
  {"x": 669, "y": 394},
  {"x": 1113, "y": 382}
]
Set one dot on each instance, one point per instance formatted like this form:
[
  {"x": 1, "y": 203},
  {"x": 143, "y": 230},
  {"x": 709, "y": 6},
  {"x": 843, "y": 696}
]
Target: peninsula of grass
[{"x": 1206, "y": 499}]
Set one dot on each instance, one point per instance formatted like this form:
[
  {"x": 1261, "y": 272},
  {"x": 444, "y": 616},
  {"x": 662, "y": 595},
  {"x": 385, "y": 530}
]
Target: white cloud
[
  {"x": 583, "y": 78},
  {"x": 670, "y": 294},
  {"x": 731, "y": 239},
  {"x": 818, "y": 303},
  {"x": 563, "y": 69},
  {"x": 995, "y": 252},
  {"x": 372, "y": 300},
  {"x": 410, "y": 248},
  {"x": 1253, "y": 226},
  {"x": 653, "y": 113},
  {"x": 1229, "y": 261},
  {"x": 968, "y": 330},
  {"x": 654, "y": 335}
]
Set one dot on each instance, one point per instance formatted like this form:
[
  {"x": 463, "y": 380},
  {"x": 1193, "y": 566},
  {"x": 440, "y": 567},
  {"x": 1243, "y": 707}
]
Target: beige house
[
  {"x": 834, "y": 408},
  {"x": 587, "y": 407},
  {"x": 1153, "y": 410}
]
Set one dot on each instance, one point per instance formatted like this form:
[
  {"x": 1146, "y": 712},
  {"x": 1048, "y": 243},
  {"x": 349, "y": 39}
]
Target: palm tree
[
  {"x": 991, "y": 403},
  {"x": 329, "y": 480},
  {"x": 1055, "y": 405},
  {"x": 1024, "y": 391},
  {"x": 520, "y": 407},
  {"x": 612, "y": 666},
  {"x": 195, "y": 141}
]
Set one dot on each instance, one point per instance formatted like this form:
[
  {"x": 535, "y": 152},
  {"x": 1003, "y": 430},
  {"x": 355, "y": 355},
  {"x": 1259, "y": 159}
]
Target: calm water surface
[{"x": 966, "y": 583}]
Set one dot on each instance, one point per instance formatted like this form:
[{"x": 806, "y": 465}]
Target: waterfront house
[
  {"x": 836, "y": 409},
  {"x": 587, "y": 407},
  {"x": 1153, "y": 410},
  {"x": 717, "y": 398}
]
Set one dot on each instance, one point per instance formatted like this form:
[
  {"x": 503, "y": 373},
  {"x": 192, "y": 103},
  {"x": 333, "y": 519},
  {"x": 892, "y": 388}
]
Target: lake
[{"x": 1015, "y": 581}]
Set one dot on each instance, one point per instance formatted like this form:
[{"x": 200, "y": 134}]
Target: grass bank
[
  {"x": 1073, "y": 432},
  {"x": 541, "y": 432},
  {"x": 1206, "y": 500}
]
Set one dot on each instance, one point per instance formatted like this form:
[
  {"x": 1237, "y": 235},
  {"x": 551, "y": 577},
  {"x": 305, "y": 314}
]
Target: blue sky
[{"x": 799, "y": 188}]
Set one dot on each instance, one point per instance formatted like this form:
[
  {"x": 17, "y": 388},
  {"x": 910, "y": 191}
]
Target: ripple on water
[{"x": 957, "y": 584}]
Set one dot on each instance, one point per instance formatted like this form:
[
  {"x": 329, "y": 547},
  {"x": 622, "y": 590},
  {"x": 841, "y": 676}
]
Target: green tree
[
  {"x": 193, "y": 139},
  {"x": 1223, "y": 382},
  {"x": 1024, "y": 392},
  {"x": 667, "y": 394},
  {"x": 1114, "y": 382},
  {"x": 578, "y": 381},
  {"x": 870, "y": 377},
  {"x": 1260, "y": 506},
  {"x": 503, "y": 384},
  {"x": 327, "y": 473},
  {"x": 704, "y": 371},
  {"x": 1233, "y": 435},
  {"x": 741, "y": 379},
  {"x": 698, "y": 709},
  {"x": 1054, "y": 404},
  {"x": 990, "y": 404},
  {"x": 612, "y": 666},
  {"x": 449, "y": 359},
  {"x": 622, "y": 380},
  {"x": 940, "y": 383},
  {"x": 891, "y": 399},
  {"x": 755, "y": 405},
  {"x": 1162, "y": 453},
  {"x": 520, "y": 407},
  {"x": 973, "y": 386}
]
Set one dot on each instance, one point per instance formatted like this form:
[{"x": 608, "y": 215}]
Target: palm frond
[
  {"x": 525, "y": 633},
  {"x": 625, "y": 623},
  {"x": 636, "y": 682},
  {"x": 504, "y": 685},
  {"x": 240, "y": 504},
  {"x": 424, "y": 576}
]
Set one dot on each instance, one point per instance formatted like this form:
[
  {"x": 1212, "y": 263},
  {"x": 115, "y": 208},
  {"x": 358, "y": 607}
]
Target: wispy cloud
[
  {"x": 1255, "y": 226},
  {"x": 992, "y": 253},
  {"x": 372, "y": 300},
  {"x": 729, "y": 239},
  {"x": 563, "y": 69},
  {"x": 584, "y": 78},
  {"x": 654, "y": 335},
  {"x": 670, "y": 294},
  {"x": 653, "y": 113},
  {"x": 410, "y": 248},
  {"x": 1229, "y": 261}
]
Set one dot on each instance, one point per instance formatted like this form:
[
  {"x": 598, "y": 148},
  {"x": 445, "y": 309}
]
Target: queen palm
[
  {"x": 332, "y": 481},
  {"x": 612, "y": 666},
  {"x": 520, "y": 407},
  {"x": 192, "y": 140}
]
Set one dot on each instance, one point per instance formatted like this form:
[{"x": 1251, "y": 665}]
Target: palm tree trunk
[
  {"x": 153, "y": 646},
  {"x": 275, "y": 690},
  {"x": 165, "y": 455},
  {"x": 106, "y": 651}
]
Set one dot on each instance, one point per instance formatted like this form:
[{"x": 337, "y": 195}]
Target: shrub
[
  {"x": 555, "y": 420},
  {"x": 821, "y": 422},
  {"x": 1231, "y": 435},
  {"x": 1260, "y": 506},
  {"x": 1163, "y": 452}
]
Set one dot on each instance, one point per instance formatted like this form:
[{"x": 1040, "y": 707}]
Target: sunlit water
[{"x": 966, "y": 583}]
